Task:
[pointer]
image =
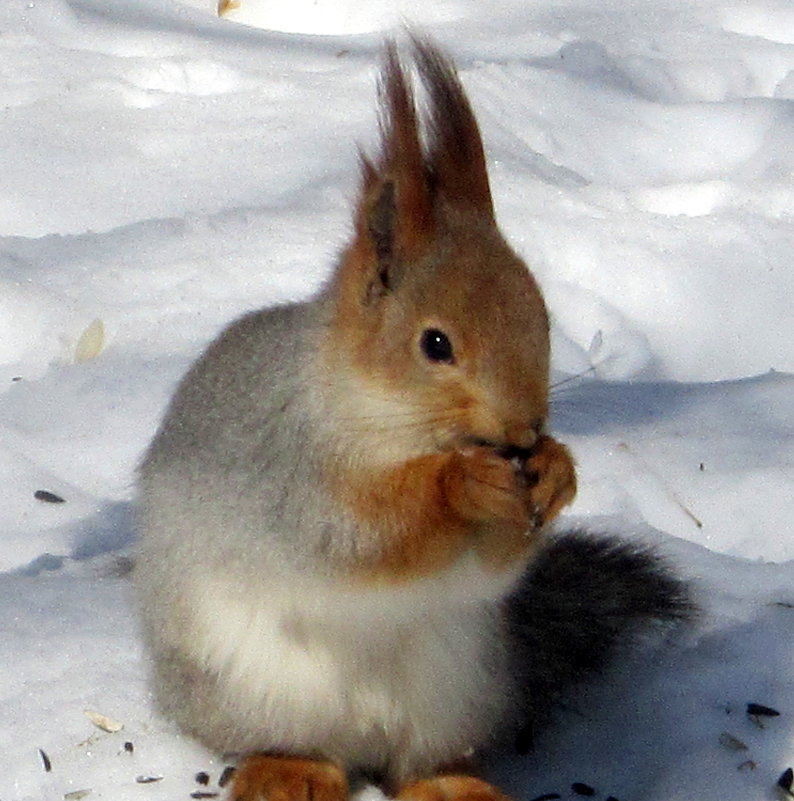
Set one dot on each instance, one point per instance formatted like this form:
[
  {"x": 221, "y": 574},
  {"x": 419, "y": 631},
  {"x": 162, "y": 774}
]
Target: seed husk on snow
[
  {"x": 732, "y": 743},
  {"x": 46, "y": 760},
  {"x": 103, "y": 721},
  {"x": 760, "y": 710},
  {"x": 48, "y": 497},
  {"x": 91, "y": 342},
  {"x": 758, "y": 714},
  {"x": 786, "y": 780},
  {"x": 227, "y": 774}
]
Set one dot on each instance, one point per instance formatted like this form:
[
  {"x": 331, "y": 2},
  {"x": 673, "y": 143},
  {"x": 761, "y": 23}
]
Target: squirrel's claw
[{"x": 551, "y": 476}]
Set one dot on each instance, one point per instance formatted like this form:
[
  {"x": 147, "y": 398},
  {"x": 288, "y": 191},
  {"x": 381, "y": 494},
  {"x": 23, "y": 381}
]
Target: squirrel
[{"x": 345, "y": 568}]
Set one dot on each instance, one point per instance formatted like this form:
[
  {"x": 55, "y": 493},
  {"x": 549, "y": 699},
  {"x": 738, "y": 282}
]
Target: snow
[{"x": 165, "y": 170}]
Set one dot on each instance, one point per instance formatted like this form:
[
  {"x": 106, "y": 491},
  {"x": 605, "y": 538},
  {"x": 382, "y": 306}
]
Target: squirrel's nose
[{"x": 523, "y": 434}]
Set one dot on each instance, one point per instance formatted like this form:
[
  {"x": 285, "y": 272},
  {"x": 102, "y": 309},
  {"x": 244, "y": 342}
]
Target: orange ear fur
[{"x": 403, "y": 190}]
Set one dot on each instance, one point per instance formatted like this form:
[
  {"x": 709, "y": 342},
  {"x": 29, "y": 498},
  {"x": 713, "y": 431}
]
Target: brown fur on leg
[
  {"x": 453, "y": 787},
  {"x": 260, "y": 777}
]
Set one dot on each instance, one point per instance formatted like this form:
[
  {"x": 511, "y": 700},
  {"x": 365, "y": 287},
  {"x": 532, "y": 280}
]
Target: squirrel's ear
[
  {"x": 455, "y": 159},
  {"x": 394, "y": 221},
  {"x": 416, "y": 179}
]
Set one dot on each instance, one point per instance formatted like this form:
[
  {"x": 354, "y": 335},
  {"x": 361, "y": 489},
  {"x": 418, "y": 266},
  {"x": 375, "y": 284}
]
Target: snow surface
[{"x": 165, "y": 170}]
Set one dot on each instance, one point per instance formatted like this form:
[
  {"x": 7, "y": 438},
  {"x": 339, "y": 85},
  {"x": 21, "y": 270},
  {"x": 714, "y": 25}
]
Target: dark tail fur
[{"x": 580, "y": 599}]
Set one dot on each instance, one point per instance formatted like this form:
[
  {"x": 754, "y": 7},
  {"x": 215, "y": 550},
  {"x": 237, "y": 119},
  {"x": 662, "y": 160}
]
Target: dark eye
[{"x": 436, "y": 346}]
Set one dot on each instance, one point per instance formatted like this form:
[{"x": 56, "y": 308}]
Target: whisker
[{"x": 591, "y": 369}]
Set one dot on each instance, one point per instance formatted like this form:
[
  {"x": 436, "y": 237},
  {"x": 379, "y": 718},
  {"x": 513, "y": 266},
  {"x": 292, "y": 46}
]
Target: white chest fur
[{"x": 404, "y": 677}]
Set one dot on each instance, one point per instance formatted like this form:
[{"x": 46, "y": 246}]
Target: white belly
[{"x": 407, "y": 677}]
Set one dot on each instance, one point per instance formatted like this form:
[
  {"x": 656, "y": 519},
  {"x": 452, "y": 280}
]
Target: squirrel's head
[{"x": 436, "y": 322}]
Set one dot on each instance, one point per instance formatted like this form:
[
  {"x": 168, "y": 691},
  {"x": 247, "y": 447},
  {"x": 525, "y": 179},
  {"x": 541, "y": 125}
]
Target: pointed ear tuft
[
  {"x": 405, "y": 188},
  {"x": 456, "y": 158},
  {"x": 395, "y": 211},
  {"x": 369, "y": 174}
]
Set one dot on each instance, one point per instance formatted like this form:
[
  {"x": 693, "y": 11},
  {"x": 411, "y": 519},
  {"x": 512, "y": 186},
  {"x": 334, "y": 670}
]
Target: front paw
[
  {"x": 482, "y": 486},
  {"x": 261, "y": 777},
  {"x": 550, "y": 472}
]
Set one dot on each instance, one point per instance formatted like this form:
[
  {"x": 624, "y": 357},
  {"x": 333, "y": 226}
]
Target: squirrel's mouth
[
  {"x": 507, "y": 450},
  {"x": 515, "y": 452},
  {"x": 517, "y": 455}
]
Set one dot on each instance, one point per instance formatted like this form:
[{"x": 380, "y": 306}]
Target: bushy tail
[{"x": 579, "y": 600}]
